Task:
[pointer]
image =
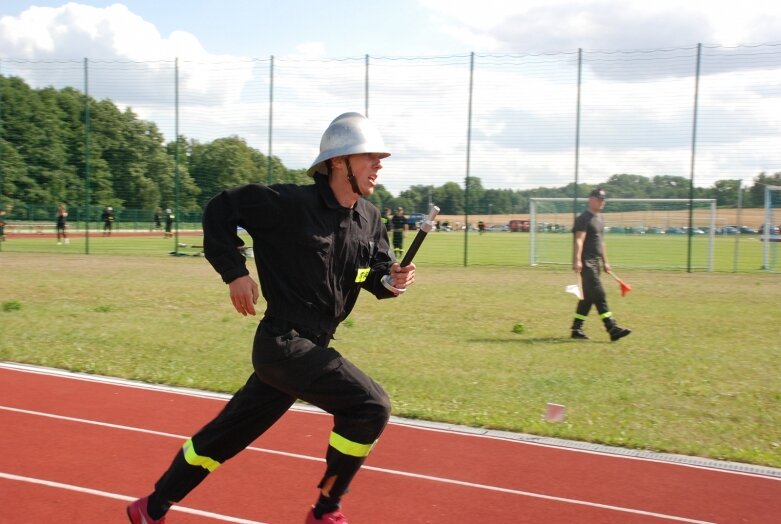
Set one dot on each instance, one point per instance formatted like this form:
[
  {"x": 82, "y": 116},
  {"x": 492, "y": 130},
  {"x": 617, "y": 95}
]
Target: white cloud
[
  {"x": 130, "y": 61},
  {"x": 564, "y": 25},
  {"x": 311, "y": 49},
  {"x": 76, "y": 30}
]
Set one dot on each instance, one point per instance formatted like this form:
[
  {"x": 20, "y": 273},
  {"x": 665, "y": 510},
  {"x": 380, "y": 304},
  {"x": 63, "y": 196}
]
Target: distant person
[
  {"x": 169, "y": 223},
  {"x": 398, "y": 225},
  {"x": 387, "y": 217},
  {"x": 157, "y": 219},
  {"x": 108, "y": 221},
  {"x": 481, "y": 227},
  {"x": 589, "y": 249},
  {"x": 2, "y": 225},
  {"x": 320, "y": 245},
  {"x": 62, "y": 224}
]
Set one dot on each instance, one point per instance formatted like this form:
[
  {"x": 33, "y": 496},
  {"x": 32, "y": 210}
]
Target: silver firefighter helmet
[{"x": 348, "y": 134}]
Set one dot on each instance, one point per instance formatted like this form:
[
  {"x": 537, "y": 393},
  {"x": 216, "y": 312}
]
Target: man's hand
[
  {"x": 401, "y": 277},
  {"x": 577, "y": 266},
  {"x": 244, "y": 295}
]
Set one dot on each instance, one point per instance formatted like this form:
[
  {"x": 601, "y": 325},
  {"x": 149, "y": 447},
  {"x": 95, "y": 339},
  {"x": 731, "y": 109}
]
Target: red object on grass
[{"x": 625, "y": 288}]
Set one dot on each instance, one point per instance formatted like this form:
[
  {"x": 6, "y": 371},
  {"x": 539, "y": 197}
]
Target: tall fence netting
[{"x": 488, "y": 125}]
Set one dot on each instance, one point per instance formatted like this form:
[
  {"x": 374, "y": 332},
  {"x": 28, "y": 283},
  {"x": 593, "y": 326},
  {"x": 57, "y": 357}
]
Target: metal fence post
[
  {"x": 577, "y": 137},
  {"x": 87, "y": 198},
  {"x": 176, "y": 157},
  {"x": 693, "y": 156},
  {"x": 468, "y": 153}
]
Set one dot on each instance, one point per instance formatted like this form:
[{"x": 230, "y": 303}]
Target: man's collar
[{"x": 327, "y": 194}]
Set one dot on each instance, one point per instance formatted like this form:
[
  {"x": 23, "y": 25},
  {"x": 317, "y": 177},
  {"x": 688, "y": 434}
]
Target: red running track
[{"x": 76, "y": 448}]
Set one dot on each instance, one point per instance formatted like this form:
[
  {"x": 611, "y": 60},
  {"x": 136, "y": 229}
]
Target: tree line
[{"x": 44, "y": 147}]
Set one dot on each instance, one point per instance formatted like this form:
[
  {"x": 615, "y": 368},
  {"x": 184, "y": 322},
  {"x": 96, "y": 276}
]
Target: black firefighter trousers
[
  {"x": 290, "y": 363},
  {"x": 593, "y": 295}
]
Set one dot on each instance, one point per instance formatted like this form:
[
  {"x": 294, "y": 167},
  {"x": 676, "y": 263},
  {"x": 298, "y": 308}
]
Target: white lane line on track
[
  {"x": 147, "y": 431},
  {"x": 115, "y": 496},
  {"x": 442, "y": 480}
]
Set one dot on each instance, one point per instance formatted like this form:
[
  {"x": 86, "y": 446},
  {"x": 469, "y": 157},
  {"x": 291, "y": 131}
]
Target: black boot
[
  {"x": 613, "y": 330},
  {"x": 618, "y": 332},
  {"x": 577, "y": 330},
  {"x": 579, "y": 334}
]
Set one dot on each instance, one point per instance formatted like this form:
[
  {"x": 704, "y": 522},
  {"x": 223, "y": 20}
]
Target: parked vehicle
[
  {"x": 519, "y": 226},
  {"x": 774, "y": 230},
  {"x": 414, "y": 220}
]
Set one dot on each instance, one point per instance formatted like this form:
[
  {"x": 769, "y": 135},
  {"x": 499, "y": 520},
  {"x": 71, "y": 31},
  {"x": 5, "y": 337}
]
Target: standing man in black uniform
[
  {"x": 589, "y": 249},
  {"x": 2, "y": 223},
  {"x": 316, "y": 246},
  {"x": 169, "y": 223},
  {"x": 62, "y": 224},
  {"x": 108, "y": 221},
  {"x": 398, "y": 224},
  {"x": 157, "y": 219}
]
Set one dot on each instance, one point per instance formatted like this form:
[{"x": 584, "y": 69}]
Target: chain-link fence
[{"x": 496, "y": 127}]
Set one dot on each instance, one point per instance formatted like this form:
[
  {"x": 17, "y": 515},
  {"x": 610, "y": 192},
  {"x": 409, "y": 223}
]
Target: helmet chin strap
[{"x": 351, "y": 177}]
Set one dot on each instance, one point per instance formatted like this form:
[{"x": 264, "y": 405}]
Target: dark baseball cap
[{"x": 598, "y": 193}]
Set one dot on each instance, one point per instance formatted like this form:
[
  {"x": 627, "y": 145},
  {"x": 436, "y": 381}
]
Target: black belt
[{"x": 319, "y": 335}]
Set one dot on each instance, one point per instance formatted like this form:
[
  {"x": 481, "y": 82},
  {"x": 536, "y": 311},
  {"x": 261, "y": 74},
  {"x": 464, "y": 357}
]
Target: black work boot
[
  {"x": 618, "y": 332},
  {"x": 579, "y": 334},
  {"x": 577, "y": 330}
]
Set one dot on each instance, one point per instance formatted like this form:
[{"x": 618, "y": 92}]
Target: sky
[
  {"x": 226, "y": 30},
  {"x": 343, "y": 28}
]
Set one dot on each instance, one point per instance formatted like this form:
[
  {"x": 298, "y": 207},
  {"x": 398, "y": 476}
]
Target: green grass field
[
  {"x": 699, "y": 375},
  {"x": 658, "y": 252}
]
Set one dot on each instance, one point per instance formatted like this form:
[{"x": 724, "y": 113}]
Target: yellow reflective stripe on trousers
[
  {"x": 194, "y": 459},
  {"x": 580, "y": 317},
  {"x": 349, "y": 447},
  {"x": 606, "y": 314}
]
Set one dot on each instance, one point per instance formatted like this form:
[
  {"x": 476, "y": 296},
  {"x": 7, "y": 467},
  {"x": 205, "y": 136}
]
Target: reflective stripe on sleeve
[
  {"x": 194, "y": 459},
  {"x": 349, "y": 447}
]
